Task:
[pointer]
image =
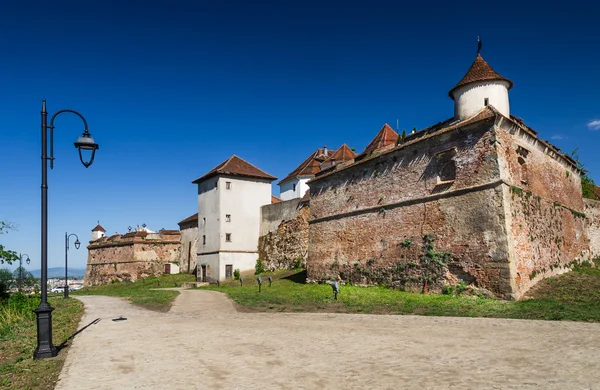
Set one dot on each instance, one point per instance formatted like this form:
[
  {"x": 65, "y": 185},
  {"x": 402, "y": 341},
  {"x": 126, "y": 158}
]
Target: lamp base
[{"x": 45, "y": 348}]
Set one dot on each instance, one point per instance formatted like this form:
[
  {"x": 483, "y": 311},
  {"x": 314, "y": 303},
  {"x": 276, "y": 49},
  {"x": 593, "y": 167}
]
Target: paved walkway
[{"x": 203, "y": 343}]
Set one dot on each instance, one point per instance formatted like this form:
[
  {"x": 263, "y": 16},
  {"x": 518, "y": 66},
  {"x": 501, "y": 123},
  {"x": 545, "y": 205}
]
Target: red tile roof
[
  {"x": 236, "y": 166},
  {"x": 344, "y": 153},
  {"x": 99, "y": 228},
  {"x": 480, "y": 70},
  {"x": 386, "y": 136},
  {"x": 275, "y": 199},
  {"x": 191, "y": 218},
  {"x": 310, "y": 166}
]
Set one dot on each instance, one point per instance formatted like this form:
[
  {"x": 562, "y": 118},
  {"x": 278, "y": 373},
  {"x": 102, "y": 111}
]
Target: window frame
[{"x": 227, "y": 237}]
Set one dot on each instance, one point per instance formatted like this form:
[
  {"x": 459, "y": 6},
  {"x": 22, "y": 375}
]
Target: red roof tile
[
  {"x": 344, "y": 153},
  {"x": 386, "y": 136},
  {"x": 310, "y": 166},
  {"x": 480, "y": 70},
  {"x": 236, "y": 166},
  {"x": 99, "y": 228},
  {"x": 275, "y": 199},
  {"x": 191, "y": 218}
]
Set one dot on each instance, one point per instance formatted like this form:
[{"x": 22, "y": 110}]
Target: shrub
[
  {"x": 260, "y": 267},
  {"x": 298, "y": 263},
  {"x": 236, "y": 274}
]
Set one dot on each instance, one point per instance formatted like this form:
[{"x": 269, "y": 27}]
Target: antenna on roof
[{"x": 479, "y": 44}]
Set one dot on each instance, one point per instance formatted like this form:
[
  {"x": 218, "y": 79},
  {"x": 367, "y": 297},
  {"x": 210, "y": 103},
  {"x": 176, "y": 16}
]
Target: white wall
[
  {"x": 212, "y": 263},
  {"x": 208, "y": 208},
  {"x": 97, "y": 234},
  {"x": 469, "y": 99},
  {"x": 243, "y": 202},
  {"x": 287, "y": 191},
  {"x": 189, "y": 246},
  {"x": 241, "y": 261}
]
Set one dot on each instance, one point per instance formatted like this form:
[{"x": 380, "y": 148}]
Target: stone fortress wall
[{"x": 131, "y": 256}]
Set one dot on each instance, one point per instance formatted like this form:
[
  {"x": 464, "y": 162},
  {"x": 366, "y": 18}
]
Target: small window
[
  {"x": 228, "y": 185},
  {"x": 227, "y": 217},
  {"x": 228, "y": 237},
  {"x": 203, "y": 240},
  {"x": 446, "y": 166},
  {"x": 204, "y": 221},
  {"x": 486, "y": 102},
  {"x": 228, "y": 271},
  {"x": 293, "y": 187}
]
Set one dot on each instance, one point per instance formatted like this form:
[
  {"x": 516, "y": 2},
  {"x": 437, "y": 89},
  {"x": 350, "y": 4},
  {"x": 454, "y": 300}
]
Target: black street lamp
[
  {"x": 45, "y": 348},
  {"x": 21, "y": 268},
  {"x": 77, "y": 244}
]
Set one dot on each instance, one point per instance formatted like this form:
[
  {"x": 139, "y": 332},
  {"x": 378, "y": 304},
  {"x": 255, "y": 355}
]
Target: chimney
[{"x": 325, "y": 150}]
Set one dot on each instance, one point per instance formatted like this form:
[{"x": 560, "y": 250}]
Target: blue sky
[{"x": 171, "y": 89}]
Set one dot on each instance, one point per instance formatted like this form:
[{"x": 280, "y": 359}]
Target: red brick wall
[
  {"x": 544, "y": 206},
  {"x": 363, "y": 216}
]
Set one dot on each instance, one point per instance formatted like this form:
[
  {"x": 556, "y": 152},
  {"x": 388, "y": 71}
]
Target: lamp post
[
  {"x": 21, "y": 268},
  {"x": 45, "y": 348},
  {"x": 77, "y": 244}
]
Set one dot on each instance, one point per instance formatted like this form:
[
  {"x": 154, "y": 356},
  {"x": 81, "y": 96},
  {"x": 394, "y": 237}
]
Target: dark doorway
[
  {"x": 203, "y": 274},
  {"x": 228, "y": 271}
]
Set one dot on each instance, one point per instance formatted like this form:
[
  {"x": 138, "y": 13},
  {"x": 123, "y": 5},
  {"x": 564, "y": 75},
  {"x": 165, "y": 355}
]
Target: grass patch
[
  {"x": 572, "y": 296},
  {"x": 18, "y": 339},
  {"x": 148, "y": 293}
]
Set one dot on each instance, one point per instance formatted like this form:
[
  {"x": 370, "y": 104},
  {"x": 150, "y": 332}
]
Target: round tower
[
  {"x": 98, "y": 232},
  {"x": 481, "y": 86}
]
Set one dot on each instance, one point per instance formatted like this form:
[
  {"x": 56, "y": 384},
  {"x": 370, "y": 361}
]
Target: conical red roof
[
  {"x": 344, "y": 153},
  {"x": 386, "y": 136},
  {"x": 99, "y": 228},
  {"x": 480, "y": 70}
]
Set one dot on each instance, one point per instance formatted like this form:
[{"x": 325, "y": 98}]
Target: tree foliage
[
  {"x": 7, "y": 256},
  {"x": 588, "y": 187},
  {"x": 6, "y": 280}
]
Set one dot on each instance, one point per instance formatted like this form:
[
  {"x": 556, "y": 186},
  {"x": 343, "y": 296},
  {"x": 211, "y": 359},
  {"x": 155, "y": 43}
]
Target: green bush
[
  {"x": 260, "y": 267},
  {"x": 297, "y": 263},
  {"x": 236, "y": 274}
]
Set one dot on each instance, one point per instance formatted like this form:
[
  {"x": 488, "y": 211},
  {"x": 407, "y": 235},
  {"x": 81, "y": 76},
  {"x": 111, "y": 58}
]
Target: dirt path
[{"x": 202, "y": 343}]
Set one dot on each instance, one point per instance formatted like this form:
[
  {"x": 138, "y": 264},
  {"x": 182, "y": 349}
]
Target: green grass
[
  {"x": 146, "y": 293},
  {"x": 572, "y": 296},
  {"x": 18, "y": 339}
]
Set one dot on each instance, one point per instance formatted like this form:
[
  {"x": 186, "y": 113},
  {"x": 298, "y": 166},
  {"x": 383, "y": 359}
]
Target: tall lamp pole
[
  {"x": 77, "y": 244},
  {"x": 21, "y": 268},
  {"x": 45, "y": 348}
]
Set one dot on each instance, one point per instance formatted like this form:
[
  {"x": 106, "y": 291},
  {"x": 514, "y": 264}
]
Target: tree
[
  {"x": 28, "y": 280},
  {"x": 588, "y": 187},
  {"x": 7, "y": 256},
  {"x": 6, "y": 280}
]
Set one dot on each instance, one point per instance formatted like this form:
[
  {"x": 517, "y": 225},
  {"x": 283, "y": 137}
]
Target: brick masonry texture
[
  {"x": 283, "y": 243},
  {"x": 592, "y": 212},
  {"x": 388, "y": 220},
  {"x": 131, "y": 256}
]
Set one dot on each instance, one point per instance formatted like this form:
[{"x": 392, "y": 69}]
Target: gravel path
[{"x": 203, "y": 343}]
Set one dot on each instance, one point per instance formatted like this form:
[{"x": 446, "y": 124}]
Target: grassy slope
[
  {"x": 143, "y": 292},
  {"x": 571, "y": 296},
  {"x": 18, "y": 339}
]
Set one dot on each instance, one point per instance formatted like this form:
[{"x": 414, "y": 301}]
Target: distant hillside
[{"x": 57, "y": 272}]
